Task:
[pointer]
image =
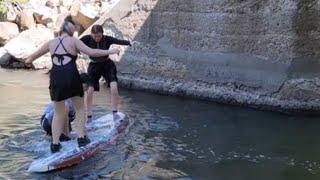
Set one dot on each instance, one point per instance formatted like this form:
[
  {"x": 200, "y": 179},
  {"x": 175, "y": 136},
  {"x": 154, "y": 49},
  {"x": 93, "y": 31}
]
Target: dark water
[{"x": 168, "y": 138}]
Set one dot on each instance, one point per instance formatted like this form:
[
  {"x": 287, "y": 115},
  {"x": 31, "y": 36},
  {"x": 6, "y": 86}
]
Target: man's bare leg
[
  {"x": 114, "y": 99},
  {"x": 89, "y": 101},
  {"x": 78, "y": 103}
]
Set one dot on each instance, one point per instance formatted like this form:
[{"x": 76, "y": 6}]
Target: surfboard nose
[{"x": 38, "y": 168}]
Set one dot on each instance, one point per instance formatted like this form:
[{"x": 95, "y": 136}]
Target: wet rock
[
  {"x": 5, "y": 58},
  {"x": 27, "y": 42},
  {"x": 25, "y": 19},
  {"x": 17, "y": 65},
  {"x": 8, "y": 30}
]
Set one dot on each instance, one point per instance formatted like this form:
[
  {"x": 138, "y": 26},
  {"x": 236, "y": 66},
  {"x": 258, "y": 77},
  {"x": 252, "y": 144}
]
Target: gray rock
[
  {"x": 27, "y": 42},
  {"x": 12, "y": 10},
  {"x": 8, "y": 30},
  {"x": 84, "y": 14},
  {"x": 25, "y": 19},
  {"x": 302, "y": 90}
]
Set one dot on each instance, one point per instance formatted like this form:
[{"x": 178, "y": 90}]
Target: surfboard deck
[{"x": 101, "y": 132}]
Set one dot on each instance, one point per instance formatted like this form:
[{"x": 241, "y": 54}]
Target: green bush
[{"x": 2, "y": 7}]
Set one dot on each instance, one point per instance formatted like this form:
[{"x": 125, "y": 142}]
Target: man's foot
[
  {"x": 89, "y": 118},
  {"x": 55, "y": 147},
  {"x": 116, "y": 116},
  {"x": 63, "y": 138},
  {"x": 83, "y": 141}
]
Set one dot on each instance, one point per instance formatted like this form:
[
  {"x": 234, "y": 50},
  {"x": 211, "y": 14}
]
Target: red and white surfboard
[{"x": 101, "y": 132}]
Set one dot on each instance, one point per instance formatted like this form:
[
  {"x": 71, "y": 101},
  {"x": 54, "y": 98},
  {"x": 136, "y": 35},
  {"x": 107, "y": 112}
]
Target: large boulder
[
  {"x": 12, "y": 10},
  {"x": 8, "y": 30},
  {"x": 84, "y": 14},
  {"x": 28, "y": 42},
  {"x": 45, "y": 16},
  {"x": 42, "y": 14},
  {"x": 25, "y": 19}
]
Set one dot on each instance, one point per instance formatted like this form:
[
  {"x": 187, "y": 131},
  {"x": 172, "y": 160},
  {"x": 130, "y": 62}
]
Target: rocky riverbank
[{"x": 27, "y": 25}]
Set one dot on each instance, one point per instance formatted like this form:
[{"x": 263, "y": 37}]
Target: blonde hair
[{"x": 67, "y": 28}]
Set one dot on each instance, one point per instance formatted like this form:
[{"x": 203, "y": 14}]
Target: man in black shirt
[{"x": 102, "y": 66}]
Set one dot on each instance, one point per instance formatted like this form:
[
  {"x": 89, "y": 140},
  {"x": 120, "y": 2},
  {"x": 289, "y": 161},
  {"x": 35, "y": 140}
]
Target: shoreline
[{"x": 222, "y": 95}]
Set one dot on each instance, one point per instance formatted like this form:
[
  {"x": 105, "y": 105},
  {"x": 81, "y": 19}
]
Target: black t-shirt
[{"x": 105, "y": 43}]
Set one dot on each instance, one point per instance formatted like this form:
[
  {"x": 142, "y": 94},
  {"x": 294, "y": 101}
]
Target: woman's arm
[
  {"x": 40, "y": 52},
  {"x": 80, "y": 46}
]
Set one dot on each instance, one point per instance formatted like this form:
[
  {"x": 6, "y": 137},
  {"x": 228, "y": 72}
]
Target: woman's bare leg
[
  {"x": 58, "y": 120},
  {"x": 78, "y": 103}
]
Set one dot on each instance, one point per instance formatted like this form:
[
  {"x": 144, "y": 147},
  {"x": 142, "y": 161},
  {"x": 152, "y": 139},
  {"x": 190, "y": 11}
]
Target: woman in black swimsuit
[{"x": 65, "y": 80}]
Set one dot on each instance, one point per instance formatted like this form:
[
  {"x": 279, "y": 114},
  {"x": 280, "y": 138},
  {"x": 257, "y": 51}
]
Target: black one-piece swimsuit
[{"x": 65, "y": 80}]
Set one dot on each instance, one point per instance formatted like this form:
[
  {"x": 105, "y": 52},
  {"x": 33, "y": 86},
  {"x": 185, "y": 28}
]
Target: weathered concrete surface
[{"x": 256, "y": 53}]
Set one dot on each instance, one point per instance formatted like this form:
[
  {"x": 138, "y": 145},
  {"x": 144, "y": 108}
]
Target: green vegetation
[{"x": 3, "y": 8}]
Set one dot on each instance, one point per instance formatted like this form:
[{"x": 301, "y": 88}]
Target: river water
[{"x": 168, "y": 138}]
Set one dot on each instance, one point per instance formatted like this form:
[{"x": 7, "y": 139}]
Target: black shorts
[{"x": 106, "y": 69}]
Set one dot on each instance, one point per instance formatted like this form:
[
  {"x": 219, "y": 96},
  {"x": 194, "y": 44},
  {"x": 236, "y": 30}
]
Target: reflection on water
[{"x": 167, "y": 138}]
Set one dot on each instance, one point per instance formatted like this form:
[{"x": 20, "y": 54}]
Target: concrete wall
[{"x": 261, "y": 53}]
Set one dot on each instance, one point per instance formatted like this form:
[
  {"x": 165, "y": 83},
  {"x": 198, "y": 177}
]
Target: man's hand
[{"x": 116, "y": 116}]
